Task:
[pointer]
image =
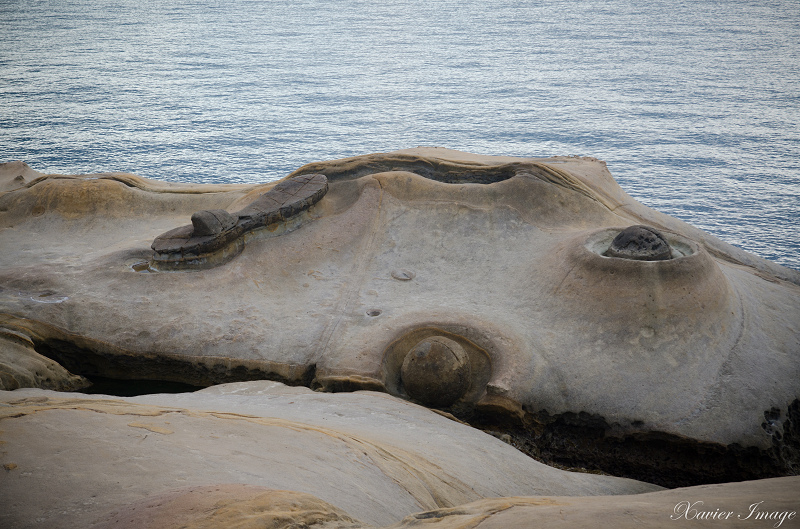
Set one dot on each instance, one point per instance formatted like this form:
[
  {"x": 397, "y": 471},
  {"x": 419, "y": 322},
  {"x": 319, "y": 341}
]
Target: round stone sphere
[
  {"x": 436, "y": 372},
  {"x": 640, "y": 243}
]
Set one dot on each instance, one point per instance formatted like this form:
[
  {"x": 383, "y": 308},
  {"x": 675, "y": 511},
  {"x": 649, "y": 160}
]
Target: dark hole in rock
[
  {"x": 581, "y": 441},
  {"x": 374, "y": 312},
  {"x": 133, "y": 388},
  {"x": 101, "y": 362}
]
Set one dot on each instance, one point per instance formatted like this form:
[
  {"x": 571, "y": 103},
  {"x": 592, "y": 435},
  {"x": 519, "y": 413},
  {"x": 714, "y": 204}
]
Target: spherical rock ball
[
  {"x": 436, "y": 372},
  {"x": 640, "y": 243}
]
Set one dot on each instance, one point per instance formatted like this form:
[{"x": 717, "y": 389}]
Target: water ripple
[{"x": 694, "y": 105}]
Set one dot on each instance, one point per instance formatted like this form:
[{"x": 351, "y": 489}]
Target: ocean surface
[{"x": 694, "y": 105}]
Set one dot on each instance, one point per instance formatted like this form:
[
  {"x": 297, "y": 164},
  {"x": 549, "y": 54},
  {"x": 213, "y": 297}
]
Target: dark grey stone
[
  {"x": 436, "y": 372},
  {"x": 640, "y": 243},
  {"x": 216, "y": 230},
  {"x": 212, "y": 222}
]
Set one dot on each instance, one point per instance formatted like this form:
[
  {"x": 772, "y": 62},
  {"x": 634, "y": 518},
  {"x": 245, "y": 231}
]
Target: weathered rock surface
[
  {"x": 245, "y": 507},
  {"x": 684, "y": 370},
  {"x": 436, "y": 372},
  {"x": 216, "y": 236},
  {"x": 70, "y": 458},
  {"x": 763, "y": 503},
  {"x": 229, "y": 505},
  {"x": 14, "y": 175},
  {"x": 22, "y": 367}
]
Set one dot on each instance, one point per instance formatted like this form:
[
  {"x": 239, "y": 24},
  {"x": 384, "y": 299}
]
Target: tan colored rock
[
  {"x": 14, "y": 175},
  {"x": 373, "y": 456},
  {"x": 22, "y": 367},
  {"x": 229, "y": 505},
  {"x": 691, "y": 361},
  {"x": 762, "y": 503}
]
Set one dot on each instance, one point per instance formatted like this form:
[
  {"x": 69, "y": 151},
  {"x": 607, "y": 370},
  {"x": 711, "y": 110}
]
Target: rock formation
[
  {"x": 261, "y": 454},
  {"x": 217, "y": 236},
  {"x": 729, "y": 505},
  {"x": 662, "y": 354},
  {"x": 373, "y": 456}
]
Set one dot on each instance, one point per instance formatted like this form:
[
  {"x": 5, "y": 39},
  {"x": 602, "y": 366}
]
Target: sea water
[{"x": 694, "y": 105}]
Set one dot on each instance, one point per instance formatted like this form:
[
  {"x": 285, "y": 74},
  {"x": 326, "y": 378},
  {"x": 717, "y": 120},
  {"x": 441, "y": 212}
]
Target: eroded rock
[
  {"x": 215, "y": 236},
  {"x": 436, "y": 372},
  {"x": 504, "y": 256},
  {"x": 22, "y": 367},
  {"x": 212, "y": 222},
  {"x": 354, "y": 453}
]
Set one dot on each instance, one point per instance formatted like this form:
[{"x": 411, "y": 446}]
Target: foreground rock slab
[
  {"x": 68, "y": 458},
  {"x": 732, "y": 505},
  {"x": 679, "y": 365}
]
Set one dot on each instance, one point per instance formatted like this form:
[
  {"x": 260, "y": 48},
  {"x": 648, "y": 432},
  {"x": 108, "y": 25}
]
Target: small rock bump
[
  {"x": 141, "y": 266},
  {"x": 212, "y": 222},
  {"x": 436, "y": 372},
  {"x": 403, "y": 275},
  {"x": 640, "y": 243}
]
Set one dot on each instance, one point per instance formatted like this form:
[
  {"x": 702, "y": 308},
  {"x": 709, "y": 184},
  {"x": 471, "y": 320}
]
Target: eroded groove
[
  {"x": 449, "y": 172},
  {"x": 198, "y": 372},
  {"x": 433, "y": 169},
  {"x": 569, "y": 440},
  {"x": 584, "y": 441}
]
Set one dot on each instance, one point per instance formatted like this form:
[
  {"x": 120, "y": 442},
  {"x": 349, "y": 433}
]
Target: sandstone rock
[
  {"x": 215, "y": 236},
  {"x": 22, "y": 367},
  {"x": 727, "y": 506},
  {"x": 767, "y": 503},
  {"x": 658, "y": 369},
  {"x": 372, "y": 456},
  {"x": 14, "y": 175},
  {"x": 212, "y": 222},
  {"x": 228, "y": 505}
]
